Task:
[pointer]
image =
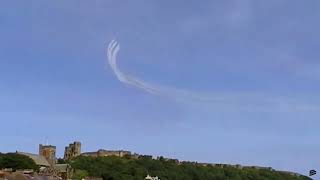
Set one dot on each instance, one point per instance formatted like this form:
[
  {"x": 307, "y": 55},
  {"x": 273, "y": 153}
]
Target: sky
[{"x": 234, "y": 81}]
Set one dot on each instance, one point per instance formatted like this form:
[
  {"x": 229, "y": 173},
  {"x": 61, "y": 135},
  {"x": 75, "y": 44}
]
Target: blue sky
[{"x": 55, "y": 81}]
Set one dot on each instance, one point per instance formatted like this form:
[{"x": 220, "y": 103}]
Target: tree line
[
  {"x": 116, "y": 168},
  {"x": 128, "y": 168}
]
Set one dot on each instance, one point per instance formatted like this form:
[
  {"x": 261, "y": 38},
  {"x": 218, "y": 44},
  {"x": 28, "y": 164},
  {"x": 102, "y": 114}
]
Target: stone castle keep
[
  {"x": 47, "y": 153},
  {"x": 72, "y": 151},
  {"x": 48, "y": 161},
  {"x": 50, "y": 166}
]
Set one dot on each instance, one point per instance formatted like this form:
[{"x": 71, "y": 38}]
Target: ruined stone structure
[
  {"x": 104, "y": 153},
  {"x": 49, "y": 152},
  {"x": 72, "y": 151}
]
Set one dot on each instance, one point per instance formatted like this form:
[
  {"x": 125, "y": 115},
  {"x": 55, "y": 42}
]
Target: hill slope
[{"x": 115, "y": 168}]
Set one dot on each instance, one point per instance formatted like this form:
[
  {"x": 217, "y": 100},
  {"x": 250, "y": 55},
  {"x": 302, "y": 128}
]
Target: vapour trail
[
  {"x": 179, "y": 94},
  {"x": 246, "y": 101}
]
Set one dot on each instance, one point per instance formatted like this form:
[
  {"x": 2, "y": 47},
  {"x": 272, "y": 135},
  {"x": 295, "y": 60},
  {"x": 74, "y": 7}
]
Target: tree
[
  {"x": 17, "y": 161},
  {"x": 62, "y": 161},
  {"x": 80, "y": 174},
  {"x": 116, "y": 168}
]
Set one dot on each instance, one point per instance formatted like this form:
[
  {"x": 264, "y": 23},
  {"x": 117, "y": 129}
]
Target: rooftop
[{"x": 39, "y": 160}]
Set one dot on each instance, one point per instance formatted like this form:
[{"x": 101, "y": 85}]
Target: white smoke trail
[
  {"x": 248, "y": 101},
  {"x": 179, "y": 94}
]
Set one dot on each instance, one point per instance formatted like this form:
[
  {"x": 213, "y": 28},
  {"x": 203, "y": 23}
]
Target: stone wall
[{"x": 104, "y": 153}]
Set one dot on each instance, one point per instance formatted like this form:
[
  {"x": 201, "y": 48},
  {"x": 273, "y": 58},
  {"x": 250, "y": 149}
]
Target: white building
[{"x": 151, "y": 178}]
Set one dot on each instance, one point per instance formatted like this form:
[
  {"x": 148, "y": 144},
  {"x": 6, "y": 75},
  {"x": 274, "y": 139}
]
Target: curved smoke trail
[
  {"x": 114, "y": 48},
  {"x": 246, "y": 101}
]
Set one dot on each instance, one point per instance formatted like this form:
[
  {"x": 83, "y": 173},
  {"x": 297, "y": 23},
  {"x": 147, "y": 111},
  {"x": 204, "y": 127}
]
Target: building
[
  {"x": 151, "y": 178},
  {"x": 49, "y": 152},
  {"x": 38, "y": 159},
  {"x": 104, "y": 153},
  {"x": 64, "y": 170},
  {"x": 259, "y": 168},
  {"x": 72, "y": 151},
  {"x": 168, "y": 159}
]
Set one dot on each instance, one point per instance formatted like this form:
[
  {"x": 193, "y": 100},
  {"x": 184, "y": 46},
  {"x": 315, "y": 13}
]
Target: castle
[
  {"x": 47, "y": 154},
  {"x": 47, "y": 161},
  {"x": 72, "y": 151},
  {"x": 104, "y": 153},
  {"x": 49, "y": 166}
]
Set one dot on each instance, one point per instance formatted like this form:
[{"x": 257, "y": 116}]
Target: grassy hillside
[{"x": 114, "y": 168}]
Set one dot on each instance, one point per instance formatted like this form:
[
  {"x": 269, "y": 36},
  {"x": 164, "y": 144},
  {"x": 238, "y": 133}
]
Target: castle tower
[
  {"x": 72, "y": 151},
  {"x": 77, "y": 148},
  {"x": 49, "y": 152}
]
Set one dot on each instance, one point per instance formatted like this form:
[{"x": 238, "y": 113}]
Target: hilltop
[
  {"x": 125, "y": 165},
  {"x": 128, "y": 168}
]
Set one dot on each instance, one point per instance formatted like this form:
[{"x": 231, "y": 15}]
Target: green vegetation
[
  {"x": 16, "y": 162},
  {"x": 80, "y": 174},
  {"x": 62, "y": 161},
  {"x": 115, "y": 168}
]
